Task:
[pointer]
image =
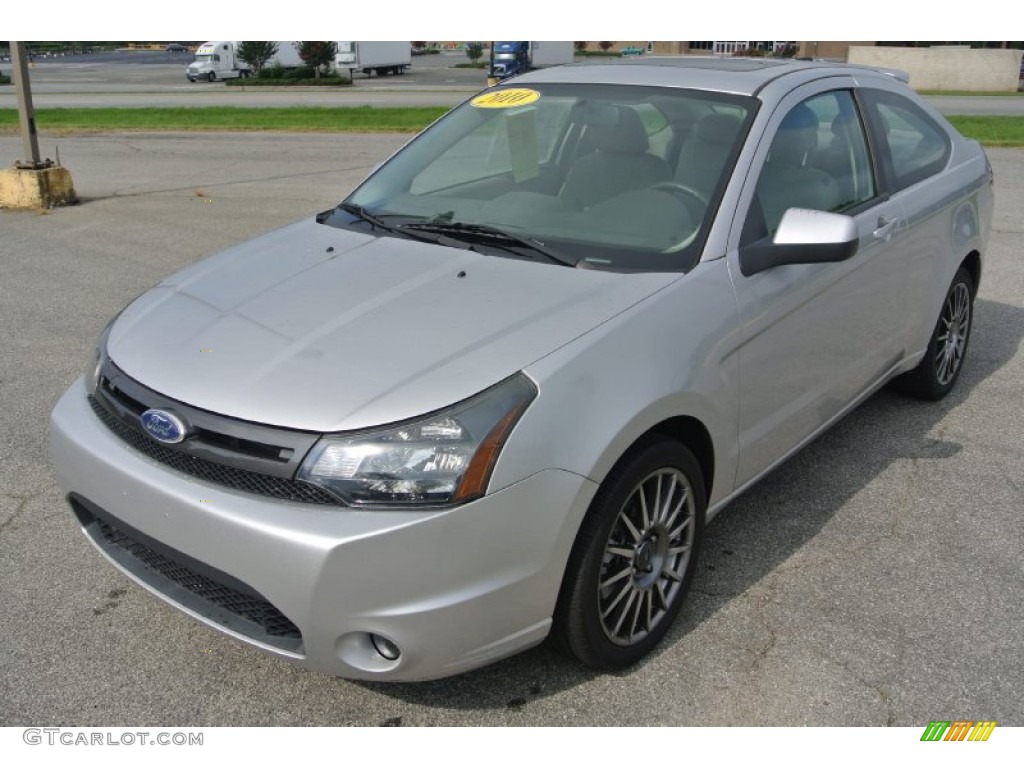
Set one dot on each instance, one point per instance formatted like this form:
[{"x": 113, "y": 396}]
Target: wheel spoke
[
  {"x": 671, "y": 575},
  {"x": 643, "y": 509},
  {"x": 962, "y": 303},
  {"x": 662, "y": 598},
  {"x": 675, "y": 512},
  {"x": 673, "y": 535},
  {"x": 943, "y": 375},
  {"x": 673, "y": 551},
  {"x": 629, "y": 525},
  {"x": 650, "y": 611},
  {"x": 663, "y": 509},
  {"x": 657, "y": 504},
  {"x": 618, "y": 598},
  {"x": 617, "y": 577},
  {"x": 636, "y": 616},
  {"x": 625, "y": 611},
  {"x": 625, "y": 552}
]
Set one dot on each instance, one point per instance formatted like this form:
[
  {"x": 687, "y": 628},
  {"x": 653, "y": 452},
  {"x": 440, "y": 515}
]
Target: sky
[{"x": 474, "y": 19}]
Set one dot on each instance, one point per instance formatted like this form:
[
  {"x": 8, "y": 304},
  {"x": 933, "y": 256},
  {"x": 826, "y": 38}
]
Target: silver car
[{"x": 499, "y": 391}]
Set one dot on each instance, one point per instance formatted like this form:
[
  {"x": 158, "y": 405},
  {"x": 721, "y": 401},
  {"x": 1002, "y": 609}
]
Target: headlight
[
  {"x": 99, "y": 354},
  {"x": 443, "y": 458}
]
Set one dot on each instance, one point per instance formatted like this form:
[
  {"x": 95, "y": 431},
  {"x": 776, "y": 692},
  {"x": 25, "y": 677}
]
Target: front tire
[
  {"x": 212, "y": 77},
  {"x": 634, "y": 558},
  {"x": 935, "y": 375}
]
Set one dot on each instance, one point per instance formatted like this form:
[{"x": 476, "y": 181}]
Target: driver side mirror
[{"x": 804, "y": 236}]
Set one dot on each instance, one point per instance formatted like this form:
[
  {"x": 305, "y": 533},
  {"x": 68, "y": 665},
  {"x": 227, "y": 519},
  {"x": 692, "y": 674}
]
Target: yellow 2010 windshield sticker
[{"x": 505, "y": 98}]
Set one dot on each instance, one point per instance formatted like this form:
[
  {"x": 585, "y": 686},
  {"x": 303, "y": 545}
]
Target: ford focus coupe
[{"x": 498, "y": 392}]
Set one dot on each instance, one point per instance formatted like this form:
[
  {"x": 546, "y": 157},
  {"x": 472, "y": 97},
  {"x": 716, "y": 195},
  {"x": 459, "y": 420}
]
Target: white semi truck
[
  {"x": 385, "y": 57},
  {"x": 219, "y": 60}
]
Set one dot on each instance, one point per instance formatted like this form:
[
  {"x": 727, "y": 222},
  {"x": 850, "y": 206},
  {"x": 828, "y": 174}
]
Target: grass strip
[
  {"x": 298, "y": 119},
  {"x": 1010, "y": 94},
  {"x": 990, "y": 130}
]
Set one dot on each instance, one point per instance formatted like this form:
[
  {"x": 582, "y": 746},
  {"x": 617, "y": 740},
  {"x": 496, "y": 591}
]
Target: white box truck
[
  {"x": 219, "y": 60},
  {"x": 380, "y": 58}
]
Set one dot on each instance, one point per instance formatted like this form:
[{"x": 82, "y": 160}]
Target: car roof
[{"x": 733, "y": 74}]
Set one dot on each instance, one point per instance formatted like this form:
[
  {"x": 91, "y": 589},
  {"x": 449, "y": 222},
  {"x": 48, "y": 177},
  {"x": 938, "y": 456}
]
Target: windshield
[
  {"x": 506, "y": 47},
  {"x": 618, "y": 177},
  {"x": 203, "y": 57}
]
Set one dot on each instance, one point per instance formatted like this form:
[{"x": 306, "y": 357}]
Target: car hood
[{"x": 314, "y": 327}]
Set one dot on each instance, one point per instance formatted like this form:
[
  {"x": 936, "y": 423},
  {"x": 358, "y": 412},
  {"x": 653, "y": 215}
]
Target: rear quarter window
[{"x": 913, "y": 146}]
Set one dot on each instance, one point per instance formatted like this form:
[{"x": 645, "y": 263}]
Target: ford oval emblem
[{"x": 163, "y": 426}]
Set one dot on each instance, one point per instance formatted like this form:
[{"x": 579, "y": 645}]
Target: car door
[
  {"x": 816, "y": 337},
  {"x": 913, "y": 151}
]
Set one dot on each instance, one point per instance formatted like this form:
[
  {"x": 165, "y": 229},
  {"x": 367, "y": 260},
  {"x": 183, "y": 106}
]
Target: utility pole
[
  {"x": 26, "y": 113},
  {"x": 32, "y": 184}
]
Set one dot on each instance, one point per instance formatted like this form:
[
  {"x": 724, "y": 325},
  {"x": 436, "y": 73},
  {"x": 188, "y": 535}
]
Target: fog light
[{"x": 385, "y": 647}]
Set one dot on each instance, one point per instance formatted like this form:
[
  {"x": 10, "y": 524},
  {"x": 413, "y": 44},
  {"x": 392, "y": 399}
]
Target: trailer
[{"x": 379, "y": 58}]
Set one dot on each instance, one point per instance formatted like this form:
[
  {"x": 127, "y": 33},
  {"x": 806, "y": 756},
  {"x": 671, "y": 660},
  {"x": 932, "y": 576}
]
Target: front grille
[
  {"x": 232, "y": 477},
  {"x": 239, "y": 446},
  {"x": 202, "y": 588}
]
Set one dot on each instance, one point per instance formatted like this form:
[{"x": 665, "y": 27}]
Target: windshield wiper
[
  {"x": 378, "y": 222},
  {"x": 496, "y": 236}
]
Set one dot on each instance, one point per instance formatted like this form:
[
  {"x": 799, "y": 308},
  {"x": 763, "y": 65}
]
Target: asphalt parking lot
[
  {"x": 874, "y": 579},
  {"x": 157, "y": 79}
]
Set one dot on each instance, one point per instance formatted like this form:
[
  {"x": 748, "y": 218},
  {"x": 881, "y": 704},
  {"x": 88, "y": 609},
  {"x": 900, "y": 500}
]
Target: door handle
[{"x": 885, "y": 228}]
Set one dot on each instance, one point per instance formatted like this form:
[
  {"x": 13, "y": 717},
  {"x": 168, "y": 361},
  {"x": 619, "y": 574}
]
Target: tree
[
  {"x": 474, "y": 51},
  {"x": 257, "y": 53},
  {"x": 318, "y": 54},
  {"x": 604, "y": 45},
  {"x": 580, "y": 46}
]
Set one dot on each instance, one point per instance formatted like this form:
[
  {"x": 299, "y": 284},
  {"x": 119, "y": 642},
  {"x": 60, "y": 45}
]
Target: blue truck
[{"x": 509, "y": 59}]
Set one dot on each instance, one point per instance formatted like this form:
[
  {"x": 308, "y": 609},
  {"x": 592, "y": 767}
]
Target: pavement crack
[
  {"x": 763, "y": 601},
  {"x": 22, "y": 502},
  {"x": 239, "y": 182}
]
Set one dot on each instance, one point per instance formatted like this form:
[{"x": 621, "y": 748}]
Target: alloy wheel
[
  {"x": 954, "y": 325},
  {"x": 646, "y": 556}
]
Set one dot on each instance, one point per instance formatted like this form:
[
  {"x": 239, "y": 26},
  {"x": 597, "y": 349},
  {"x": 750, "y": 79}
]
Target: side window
[
  {"x": 916, "y": 145},
  {"x": 818, "y": 159}
]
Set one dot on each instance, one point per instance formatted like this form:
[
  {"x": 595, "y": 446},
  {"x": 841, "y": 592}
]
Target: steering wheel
[
  {"x": 696, "y": 205},
  {"x": 674, "y": 187}
]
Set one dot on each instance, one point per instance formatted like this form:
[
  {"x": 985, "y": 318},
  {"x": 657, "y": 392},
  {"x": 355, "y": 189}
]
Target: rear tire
[
  {"x": 634, "y": 557},
  {"x": 935, "y": 375}
]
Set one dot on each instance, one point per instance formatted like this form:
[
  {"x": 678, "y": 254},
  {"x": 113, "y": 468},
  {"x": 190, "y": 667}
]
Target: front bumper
[{"x": 453, "y": 589}]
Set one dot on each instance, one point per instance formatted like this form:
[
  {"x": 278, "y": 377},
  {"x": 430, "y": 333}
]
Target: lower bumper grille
[{"x": 207, "y": 591}]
